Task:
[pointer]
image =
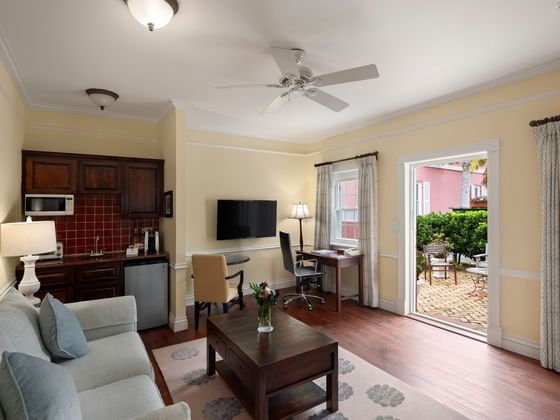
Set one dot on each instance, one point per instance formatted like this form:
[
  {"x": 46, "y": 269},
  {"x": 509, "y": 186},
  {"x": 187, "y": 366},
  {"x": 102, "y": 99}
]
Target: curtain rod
[
  {"x": 536, "y": 123},
  {"x": 344, "y": 160}
]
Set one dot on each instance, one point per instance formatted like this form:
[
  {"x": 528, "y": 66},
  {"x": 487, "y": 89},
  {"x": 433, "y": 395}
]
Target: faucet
[{"x": 97, "y": 252}]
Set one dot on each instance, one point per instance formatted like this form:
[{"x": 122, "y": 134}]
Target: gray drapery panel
[
  {"x": 368, "y": 226},
  {"x": 323, "y": 216},
  {"x": 548, "y": 151}
]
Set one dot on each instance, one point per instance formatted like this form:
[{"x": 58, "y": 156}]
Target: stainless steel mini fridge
[{"x": 147, "y": 281}]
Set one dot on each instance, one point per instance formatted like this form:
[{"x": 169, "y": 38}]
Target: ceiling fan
[{"x": 297, "y": 78}]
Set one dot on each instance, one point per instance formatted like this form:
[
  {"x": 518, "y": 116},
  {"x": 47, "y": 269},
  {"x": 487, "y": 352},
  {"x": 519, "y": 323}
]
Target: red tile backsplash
[{"x": 98, "y": 215}]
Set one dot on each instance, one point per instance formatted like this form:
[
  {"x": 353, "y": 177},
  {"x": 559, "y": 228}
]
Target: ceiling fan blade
[
  {"x": 344, "y": 76},
  {"x": 286, "y": 60},
  {"x": 270, "y": 85},
  {"x": 326, "y": 99},
  {"x": 277, "y": 103}
]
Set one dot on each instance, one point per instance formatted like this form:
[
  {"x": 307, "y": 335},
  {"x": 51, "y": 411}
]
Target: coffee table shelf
[{"x": 285, "y": 403}]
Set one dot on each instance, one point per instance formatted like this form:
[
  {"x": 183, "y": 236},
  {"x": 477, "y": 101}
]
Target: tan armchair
[{"x": 211, "y": 285}]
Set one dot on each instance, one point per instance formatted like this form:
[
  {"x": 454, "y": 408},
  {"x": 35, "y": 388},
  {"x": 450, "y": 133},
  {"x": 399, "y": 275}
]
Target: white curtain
[
  {"x": 368, "y": 223},
  {"x": 548, "y": 150},
  {"x": 323, "y": 216}
]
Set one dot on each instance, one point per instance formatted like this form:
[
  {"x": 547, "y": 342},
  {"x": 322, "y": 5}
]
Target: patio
[{"x": 456, "y": 304}]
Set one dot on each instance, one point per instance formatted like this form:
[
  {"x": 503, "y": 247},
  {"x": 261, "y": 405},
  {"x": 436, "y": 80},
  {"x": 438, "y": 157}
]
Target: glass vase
[{"x": 264, "y": 313}]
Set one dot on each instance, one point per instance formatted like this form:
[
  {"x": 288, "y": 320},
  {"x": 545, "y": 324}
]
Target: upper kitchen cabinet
[
  {"x": 49, "y": 173},
  {"x": 143, "y": 188},
  {"x": 99, "y": 176}
]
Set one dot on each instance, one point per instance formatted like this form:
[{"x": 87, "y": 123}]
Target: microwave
[{"x": 49, "y": 205}]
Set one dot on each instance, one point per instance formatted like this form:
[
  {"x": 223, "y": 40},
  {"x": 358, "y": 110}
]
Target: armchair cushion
[
  {"x": 105, "y": 317},
  {"x": 61, "y": 330},
  {"x": 32, "y": 388},
  {"x": 110, "y": 359}
]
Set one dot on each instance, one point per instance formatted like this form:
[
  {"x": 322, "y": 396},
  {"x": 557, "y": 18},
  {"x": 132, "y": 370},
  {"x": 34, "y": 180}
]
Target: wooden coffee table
[{"x": 272, "y": 373}]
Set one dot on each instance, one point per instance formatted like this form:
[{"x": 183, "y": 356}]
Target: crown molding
[
  {"x": 90, "y": 131},
  {"x": 12, "y": 67}
]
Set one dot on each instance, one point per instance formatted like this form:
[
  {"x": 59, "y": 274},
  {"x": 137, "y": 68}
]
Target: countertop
[{"x": 72, "y": 260}]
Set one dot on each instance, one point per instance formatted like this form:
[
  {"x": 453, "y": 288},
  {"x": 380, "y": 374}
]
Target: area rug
[{"x": 364, "y": 391}]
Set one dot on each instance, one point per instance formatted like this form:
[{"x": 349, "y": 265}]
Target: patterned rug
[{"x": 364, "y": 391}]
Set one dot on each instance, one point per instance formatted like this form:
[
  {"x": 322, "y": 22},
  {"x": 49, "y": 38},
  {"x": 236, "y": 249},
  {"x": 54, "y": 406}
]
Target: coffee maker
[{"x": 151, "y": 241}]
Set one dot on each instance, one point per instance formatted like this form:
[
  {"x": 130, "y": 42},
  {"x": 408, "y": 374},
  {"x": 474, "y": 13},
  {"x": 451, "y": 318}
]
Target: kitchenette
[{"x": 106, "y": 212}]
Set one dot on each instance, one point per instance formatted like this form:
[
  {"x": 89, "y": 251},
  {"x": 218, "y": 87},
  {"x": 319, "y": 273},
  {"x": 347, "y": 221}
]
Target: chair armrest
[
  {"x": 178, "y": 411},
  {"x": 240, "y": 284},
  {"x": 480, "y": 255},
  {"x": 105, "y": 317}
]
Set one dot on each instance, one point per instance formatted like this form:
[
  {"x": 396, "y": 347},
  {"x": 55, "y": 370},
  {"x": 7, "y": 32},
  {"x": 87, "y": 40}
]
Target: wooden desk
[{"x": 339, "y": 262}]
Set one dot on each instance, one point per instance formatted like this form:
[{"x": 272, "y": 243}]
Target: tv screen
[{"x": 246, "y": 219}]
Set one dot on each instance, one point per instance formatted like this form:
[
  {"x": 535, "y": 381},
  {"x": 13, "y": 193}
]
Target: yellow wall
[
  {"x": 68, "y": 132},
  {"x": 224, "y": 173},
  {"x": 502, "y": 113},
  {"x": 12, "y": 119}
]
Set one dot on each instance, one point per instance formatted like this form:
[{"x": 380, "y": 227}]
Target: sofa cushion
[
  {"x": 110, "y": 359},
  {"x": 19, "y": 326},
  {"x": 32, "y": 388},
  {"x": 61, "y": 331},
  {"x": 120, "y": 400}
]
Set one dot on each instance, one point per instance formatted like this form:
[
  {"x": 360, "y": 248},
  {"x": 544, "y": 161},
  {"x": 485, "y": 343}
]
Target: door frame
[{"x": 407, "y": 227}]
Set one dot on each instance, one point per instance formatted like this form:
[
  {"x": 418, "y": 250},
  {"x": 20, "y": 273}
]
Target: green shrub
[{"x": 466, "y": 232}]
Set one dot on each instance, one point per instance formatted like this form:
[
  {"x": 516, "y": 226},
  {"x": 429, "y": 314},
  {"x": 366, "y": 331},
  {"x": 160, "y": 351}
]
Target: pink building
[{"x": 438, "y": 188}]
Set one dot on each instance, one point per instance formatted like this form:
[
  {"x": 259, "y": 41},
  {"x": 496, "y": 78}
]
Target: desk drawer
[{"x": 243, "y": 372}]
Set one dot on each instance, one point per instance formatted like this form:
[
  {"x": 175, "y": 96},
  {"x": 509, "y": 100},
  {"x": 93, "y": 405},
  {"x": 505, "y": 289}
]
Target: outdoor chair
[
  {"x": 436, "y": 261},
  {"x": 479, "y": 273}
]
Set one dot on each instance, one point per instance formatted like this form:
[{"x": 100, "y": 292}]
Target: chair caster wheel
[
  {"x": 310, "y": 308},
  {"x": 285, "y": 306}
]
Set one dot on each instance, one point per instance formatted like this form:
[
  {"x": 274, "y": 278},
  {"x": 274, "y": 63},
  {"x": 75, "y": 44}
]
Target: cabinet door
[
  {"x": 54, "y": 280},
  {"x": 49, "y": 174},
  {"x": 99, "y": 176},
  {"x": 143, "y": 189},
  {"x": 100, "y": 291}
]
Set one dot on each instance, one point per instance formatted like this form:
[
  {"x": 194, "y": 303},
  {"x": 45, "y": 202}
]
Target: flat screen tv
[{"x": 246, "y": 219}]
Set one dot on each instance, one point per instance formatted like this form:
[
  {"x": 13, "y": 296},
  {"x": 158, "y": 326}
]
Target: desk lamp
[
  {"x": 24, "y": 239},
  {"x": 300, "y": 211}
]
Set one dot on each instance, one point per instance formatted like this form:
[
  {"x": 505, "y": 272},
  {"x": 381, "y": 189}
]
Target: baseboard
[
  {"x": 7, "y": 287},
  {"x": 388, "y": 305},
  {"x": 276, "y": 284},
  {"x": 522, "y": 346},
  {"x": 178, "y": 324}
]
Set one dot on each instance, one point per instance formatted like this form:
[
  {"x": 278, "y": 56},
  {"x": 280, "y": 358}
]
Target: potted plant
[{"x": 420, "y": 265}]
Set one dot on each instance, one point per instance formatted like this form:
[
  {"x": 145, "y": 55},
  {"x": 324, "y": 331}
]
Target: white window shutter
[{"x": 426, "y": 192}]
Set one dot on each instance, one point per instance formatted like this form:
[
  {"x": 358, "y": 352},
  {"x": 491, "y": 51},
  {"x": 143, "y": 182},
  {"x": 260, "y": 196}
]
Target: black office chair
[{"x": 304, "y": 275}]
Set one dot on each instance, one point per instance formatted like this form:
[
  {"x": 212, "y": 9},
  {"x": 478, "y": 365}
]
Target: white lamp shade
[
  {"x": 27, "y": 238},
  {"x": 300, "y": 211},
  {"x": 151, "y": 12}
]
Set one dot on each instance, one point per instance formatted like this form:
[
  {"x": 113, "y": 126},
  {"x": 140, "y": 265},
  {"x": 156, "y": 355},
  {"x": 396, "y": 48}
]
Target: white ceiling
[{"x": 423, "y": 49}]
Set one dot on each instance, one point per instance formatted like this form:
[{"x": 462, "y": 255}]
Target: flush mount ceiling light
[
  {"x": 102, "y": 97},
  {"x": 153, "y": 13}
]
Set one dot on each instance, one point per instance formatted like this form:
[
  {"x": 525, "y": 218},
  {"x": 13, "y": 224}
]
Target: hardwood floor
[{"x": 475, "y": 379}]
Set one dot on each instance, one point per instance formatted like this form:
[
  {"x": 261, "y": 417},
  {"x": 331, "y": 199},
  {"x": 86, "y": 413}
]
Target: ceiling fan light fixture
[
  {"x": 102, "y": 97},
  {"x": 153, "y": 14}
]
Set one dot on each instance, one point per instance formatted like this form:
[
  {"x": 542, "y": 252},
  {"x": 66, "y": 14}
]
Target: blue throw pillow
[
  {"x": 32, "y": 388},
  {"x": 61, "y": 331}
]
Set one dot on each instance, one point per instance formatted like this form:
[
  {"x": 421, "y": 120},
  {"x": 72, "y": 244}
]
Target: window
[
  {"x": 345, "y": 208},
  {"x": 478, "y": 191}
]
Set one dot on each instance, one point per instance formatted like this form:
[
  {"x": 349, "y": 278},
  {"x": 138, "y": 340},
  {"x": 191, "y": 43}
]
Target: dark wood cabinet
[
  {"x": 138, "y": 181},
  {"x": 49, "y": 174},
  {"x": 99, "y": 176},
  {"x": 143, "y": 189},
  {"x": 87, "y": 281}
]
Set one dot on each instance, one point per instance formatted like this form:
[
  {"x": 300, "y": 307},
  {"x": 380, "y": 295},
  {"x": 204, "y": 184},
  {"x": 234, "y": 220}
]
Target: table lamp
[
  {"x": 24, "y": 239},
  {"x": 300, "y": 211}
]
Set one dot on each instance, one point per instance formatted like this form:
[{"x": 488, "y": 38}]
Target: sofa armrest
[
  {"x": 178, "y": 411},
  {"x": 105, "y": 317}
]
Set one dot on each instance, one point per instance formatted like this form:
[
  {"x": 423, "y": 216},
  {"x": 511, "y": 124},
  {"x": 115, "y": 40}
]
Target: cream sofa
[{"x": 115, "y": 379}]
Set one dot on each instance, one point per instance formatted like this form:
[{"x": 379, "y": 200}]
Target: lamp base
[{"x": 30, "y": 284}]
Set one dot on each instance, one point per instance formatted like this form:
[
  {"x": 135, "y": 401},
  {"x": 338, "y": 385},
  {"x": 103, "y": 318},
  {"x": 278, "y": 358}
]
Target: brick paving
[{"x": 455, "y": 304}]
